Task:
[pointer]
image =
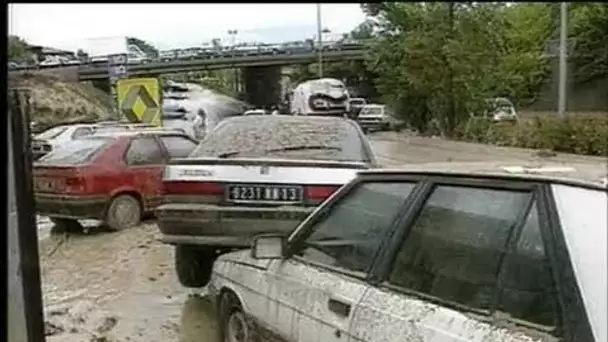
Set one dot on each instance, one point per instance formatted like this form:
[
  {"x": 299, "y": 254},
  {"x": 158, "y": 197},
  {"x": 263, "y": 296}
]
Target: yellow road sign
[{"x": 139, "y": 100}]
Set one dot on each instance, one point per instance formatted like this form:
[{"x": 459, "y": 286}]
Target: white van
[{"x": 325, "y": 96}]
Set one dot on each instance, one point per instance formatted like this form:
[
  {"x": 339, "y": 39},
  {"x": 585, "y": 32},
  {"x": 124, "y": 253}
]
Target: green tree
[
  {"x": 525, "y": 65},
  {"x": 144, "y": 46},
  {"x": 589, "y": 30},
  {"x": 17, "y": 48},
  {"x": 81, "y": 55},
  {"x": 439, "y": 62}
]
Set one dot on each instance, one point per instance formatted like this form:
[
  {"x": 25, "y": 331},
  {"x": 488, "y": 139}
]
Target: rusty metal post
[{"x": 25, "y": 315}]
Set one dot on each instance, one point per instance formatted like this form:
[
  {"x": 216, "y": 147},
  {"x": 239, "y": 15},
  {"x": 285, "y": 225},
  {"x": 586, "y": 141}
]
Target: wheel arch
[
  {"x": 227, "y": 290},
  {"x": 129, "y": 192}
]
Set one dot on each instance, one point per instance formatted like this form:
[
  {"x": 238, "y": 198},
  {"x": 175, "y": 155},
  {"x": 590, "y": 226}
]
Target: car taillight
[
  {"x": 193, "y": 188},
  {"x": 74, "y": 185},
  {"x": 319, "y": 193}
]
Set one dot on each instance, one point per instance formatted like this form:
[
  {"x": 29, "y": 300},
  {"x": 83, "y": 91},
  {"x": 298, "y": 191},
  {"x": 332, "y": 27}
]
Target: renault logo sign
[{"x": 139, "y": 100}]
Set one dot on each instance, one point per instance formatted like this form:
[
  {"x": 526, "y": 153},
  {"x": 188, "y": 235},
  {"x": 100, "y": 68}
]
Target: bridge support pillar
[
  {"x": 262, "y": 85},
  {"x": 103, "y": 85}
]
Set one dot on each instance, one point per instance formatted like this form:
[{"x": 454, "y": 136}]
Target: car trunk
[
  {"x": 260, "y": 182},
  {"x": 59, "y": 179}
]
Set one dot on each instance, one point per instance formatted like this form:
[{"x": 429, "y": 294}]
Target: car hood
[{"x": 242, "y": 257}]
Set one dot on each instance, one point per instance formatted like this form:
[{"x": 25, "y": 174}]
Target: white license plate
[
  {"x": 44, "y": 185},
  {"x": 264, "y": 193}
]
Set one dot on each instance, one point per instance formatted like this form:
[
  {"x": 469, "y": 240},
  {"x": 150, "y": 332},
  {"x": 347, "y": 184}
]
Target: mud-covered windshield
[
  {"x": 74, "y": 153},
  {"x": 284, "y": 137}
]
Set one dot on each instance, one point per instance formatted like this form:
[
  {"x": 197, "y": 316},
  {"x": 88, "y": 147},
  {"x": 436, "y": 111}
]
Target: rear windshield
[
  {"x": 51, "y": 133},
  {"x": 284, "y": 137},
  {"x": 75, "y": 153},
  {"x": 372, "y": 111}
]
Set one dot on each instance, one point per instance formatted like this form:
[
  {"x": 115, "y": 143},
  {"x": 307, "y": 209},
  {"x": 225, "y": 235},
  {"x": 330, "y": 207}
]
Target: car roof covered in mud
[
  {"x": 328, "y": 138},
  {"x": 586, "y": 175}
]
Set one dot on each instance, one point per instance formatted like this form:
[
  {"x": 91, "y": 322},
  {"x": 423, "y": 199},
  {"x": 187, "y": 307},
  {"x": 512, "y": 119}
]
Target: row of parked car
[
  {"x": 300, "y": 236},
  {"x": 203, "y": 52}
]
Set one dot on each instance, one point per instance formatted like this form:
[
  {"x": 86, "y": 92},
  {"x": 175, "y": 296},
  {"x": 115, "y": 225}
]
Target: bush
[{"x": 587, "y": 136}]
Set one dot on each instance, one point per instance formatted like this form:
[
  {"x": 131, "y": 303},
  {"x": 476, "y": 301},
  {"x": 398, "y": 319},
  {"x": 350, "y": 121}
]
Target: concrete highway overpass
[
  {"x": 261, "y": 73},
  {"x": 179, "y": 66}
]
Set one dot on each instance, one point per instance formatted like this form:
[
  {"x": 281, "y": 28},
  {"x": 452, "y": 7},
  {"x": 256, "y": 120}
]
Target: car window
[
  {"x": 75, "y": 153},
  {"x": 178, "y": 147},
  {"x": 527, "y": 289},
  {"x": 285, "y": 137},
  {"x": 51, "y": 133},
  {"x": 144, "y": 151},
  {"x": 454, "y": 248},
  {"x": 112, "y": 129},
  {"x": 349, "y": 235},
  {"x": 81, "y": 132}
]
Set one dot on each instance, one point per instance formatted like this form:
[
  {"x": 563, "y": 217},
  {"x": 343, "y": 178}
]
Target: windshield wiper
[
  {"x": 287, "y": 148},
  {"x": 303, "y": 147},
  {"x": 228, "y": 154}
]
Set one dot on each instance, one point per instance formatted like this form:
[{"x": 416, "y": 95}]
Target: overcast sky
[{"x": 68, "y": 26}]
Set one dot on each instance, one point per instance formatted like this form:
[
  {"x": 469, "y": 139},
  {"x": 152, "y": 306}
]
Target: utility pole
[
  {"x": 563, "y": 60},
  {"x": 451, "y": 119},
  {"x": 232, "y": 34},
  {"x": 320, "y": 40}
]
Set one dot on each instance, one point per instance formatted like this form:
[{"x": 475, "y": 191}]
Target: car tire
[
  {"x": 124, "y": 212},
  {"x": 65, "y": 225},
  {"x": 193, "y": 265},
  {"x": 233, "y": 323}
]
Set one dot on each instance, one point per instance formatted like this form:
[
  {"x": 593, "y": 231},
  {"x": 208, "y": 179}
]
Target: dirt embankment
[{"x": 56, "y": 101}]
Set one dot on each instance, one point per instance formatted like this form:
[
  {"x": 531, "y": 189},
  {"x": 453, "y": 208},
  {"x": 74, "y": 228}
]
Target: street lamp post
[
  {"x": 563, "y": 59},
  {"x": 232, "y": 34},
  {"x": 320, "y": 40}
]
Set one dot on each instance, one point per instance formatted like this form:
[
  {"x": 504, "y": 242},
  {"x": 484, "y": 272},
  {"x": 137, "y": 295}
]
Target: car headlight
[{"x": 320, "y": 103}]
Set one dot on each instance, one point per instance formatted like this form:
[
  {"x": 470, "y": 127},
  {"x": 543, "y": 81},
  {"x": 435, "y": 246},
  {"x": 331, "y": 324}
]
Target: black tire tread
[
  {"x": 111, "y": 222},
  {"x": 193, "y": 265}
]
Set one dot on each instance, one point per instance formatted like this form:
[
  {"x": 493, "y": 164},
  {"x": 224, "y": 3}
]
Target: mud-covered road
[{"x": 104, "y": 286}]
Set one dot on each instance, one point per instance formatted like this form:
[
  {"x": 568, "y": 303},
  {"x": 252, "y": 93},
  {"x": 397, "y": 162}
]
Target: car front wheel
[
  {"x": 233, "y": 323},
  {"x": 193, "y": 265}
]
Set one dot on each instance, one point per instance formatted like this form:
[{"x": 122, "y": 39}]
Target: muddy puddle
[{"x": 106, "y": 286}]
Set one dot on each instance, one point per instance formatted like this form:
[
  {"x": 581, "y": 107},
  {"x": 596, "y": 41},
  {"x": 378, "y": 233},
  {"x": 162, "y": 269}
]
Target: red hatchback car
[{"x": 114, "y": 177}]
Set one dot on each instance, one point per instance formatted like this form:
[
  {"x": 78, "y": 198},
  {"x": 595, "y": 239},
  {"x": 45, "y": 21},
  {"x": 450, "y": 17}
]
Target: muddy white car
[
  {"x": 252, "y": 175},
  {"x": 374, "y": 117},
  {"x": 428, "y": 256}
]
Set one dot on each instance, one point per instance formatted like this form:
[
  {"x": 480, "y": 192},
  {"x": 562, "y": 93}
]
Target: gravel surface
[{"x": 103, "y": 286}]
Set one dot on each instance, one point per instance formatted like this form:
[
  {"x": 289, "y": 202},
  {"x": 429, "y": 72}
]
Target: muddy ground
[{"x": 103, "y": 286}]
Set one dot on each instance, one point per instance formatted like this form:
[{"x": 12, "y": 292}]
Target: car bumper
[
  {"x": 76, "y": 207},
  {"x": 373, "y": 123},
  {"x": 226, "y": 226}
]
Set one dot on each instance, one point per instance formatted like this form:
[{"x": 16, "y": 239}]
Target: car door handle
[{"x": 339, "y": 307}]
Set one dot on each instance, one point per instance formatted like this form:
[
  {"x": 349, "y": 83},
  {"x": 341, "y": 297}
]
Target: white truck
[
  {"x": 324, "y": 96},
  {"x": 98, "y": 50}
]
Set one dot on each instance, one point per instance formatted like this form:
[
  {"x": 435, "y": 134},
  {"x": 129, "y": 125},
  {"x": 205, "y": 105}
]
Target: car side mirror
[{"x": 268, "y": 246}]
